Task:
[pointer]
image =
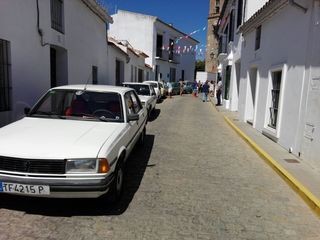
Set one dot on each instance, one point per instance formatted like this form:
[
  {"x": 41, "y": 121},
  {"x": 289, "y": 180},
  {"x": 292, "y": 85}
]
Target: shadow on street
[
  {"x": 154, "y": 115},
  {"x": 135, "y": 169}
]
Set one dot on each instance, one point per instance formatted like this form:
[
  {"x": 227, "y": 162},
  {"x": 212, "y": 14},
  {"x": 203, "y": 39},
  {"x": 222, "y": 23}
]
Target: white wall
[
  {"x": 135, "y": 28},
  {"x": 141, "y": 31},
  {"x": 287, "y": 52},
  {"x": 84, "y": 42}
]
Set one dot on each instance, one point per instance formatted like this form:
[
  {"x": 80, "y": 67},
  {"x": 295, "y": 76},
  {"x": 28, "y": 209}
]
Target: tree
[{"x": 200, "y": 66}]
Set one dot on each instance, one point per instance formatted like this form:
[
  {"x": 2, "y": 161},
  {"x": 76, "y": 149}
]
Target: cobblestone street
[{"x": 194, "y": 179}]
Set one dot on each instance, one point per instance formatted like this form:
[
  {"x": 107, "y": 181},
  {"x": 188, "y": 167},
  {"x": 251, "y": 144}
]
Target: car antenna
[{"x": 85, "y": 86}]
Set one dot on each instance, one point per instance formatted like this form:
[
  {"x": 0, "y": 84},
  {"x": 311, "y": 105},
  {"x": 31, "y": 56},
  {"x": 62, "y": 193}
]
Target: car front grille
[{"x": 32, "y": 165}]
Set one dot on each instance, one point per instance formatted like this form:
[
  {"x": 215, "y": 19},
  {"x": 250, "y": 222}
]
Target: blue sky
[{"x": 186, "y": 15}]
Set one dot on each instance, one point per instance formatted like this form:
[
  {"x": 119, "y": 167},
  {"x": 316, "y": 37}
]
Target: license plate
[{"x": 24, "y": 188}]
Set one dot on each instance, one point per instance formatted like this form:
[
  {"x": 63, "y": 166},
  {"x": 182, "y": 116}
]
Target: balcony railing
[{"x": 167, "y": 55}]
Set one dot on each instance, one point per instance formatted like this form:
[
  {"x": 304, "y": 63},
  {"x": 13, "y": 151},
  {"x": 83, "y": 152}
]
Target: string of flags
[{"x": 197, "y": 50}]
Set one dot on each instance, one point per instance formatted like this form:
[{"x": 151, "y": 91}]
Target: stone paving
[{"x": 194, "y": 179}]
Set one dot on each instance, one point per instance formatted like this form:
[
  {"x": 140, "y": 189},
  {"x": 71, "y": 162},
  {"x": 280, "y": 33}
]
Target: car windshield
[
  {"x": 80, "y": 105},
  {"x": 141, "y": 89},
  {"x": 175, "y": 84},
  {"x": 155, "y": 85}
]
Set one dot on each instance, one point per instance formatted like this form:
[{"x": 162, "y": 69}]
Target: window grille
[
  {"x": 5, "y": 76},
  {"x": 57, "y": 15},
  {"x": 275, "y": 96}
]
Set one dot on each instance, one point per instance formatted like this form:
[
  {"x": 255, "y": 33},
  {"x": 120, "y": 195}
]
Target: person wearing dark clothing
[{"x": 205, "y": 91}]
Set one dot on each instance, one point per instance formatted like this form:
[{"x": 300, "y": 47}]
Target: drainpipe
[
  {"x": 297, "y": 5},
  {"x": 40, "y": 32}
]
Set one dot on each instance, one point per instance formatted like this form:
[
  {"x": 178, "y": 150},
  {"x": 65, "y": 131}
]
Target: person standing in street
[
  {"x": 195, "y": 89},
  {"x": 181, "y": 86},
  {"x": 211, "y": 88},
  {"x": 169, "y": 84},
  {"x": 205, "y": 91},
  {"x": 219, "y": 91}
]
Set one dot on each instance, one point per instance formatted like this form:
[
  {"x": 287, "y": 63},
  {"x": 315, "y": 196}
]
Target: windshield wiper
[{"x": 51, "y": 114}]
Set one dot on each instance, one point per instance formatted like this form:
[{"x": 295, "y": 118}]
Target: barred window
[
  {"x": 258, "y": 38},
  {"x": 5, "y": 76},
  {"x": 94, "y": 75},
  {"x": 275, "y": 96},
  {"x": 57, "y": 15}
]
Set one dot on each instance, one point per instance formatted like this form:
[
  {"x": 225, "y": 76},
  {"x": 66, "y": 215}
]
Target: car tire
[
  {"x": 142, "y": 137},
  {"x": 117, "y": 184}
]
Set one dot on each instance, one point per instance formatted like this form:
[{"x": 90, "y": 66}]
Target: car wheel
[
  {"x": 142, "y": 137},
  {"x": 117, "y": 184}
]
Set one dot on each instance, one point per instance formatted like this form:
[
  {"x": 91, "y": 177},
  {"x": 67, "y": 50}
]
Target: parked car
[
  {"x": 175, "y": 88},
  {"x": 163, "y": 89},
  {"x": 156, "y": 86},
  {"x": 146, "y": 94},
  {"x": 188, "y": 87},
  {"x": 73, "y": 143}
]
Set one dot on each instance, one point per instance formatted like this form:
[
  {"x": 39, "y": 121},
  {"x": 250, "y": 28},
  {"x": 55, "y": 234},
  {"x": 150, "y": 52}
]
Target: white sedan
[
  {"x": 146, "y": 94},
  {"x": 157, "y": 88},
  {"x": 73, "y": 143}
]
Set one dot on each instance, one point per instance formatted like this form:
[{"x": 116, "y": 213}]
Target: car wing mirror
[{"x": 133, "y": 117}]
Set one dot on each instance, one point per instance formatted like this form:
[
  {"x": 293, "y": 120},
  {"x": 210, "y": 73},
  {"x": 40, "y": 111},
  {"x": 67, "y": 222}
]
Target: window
[
  {"x": 172, "y": 74},
  {"x": 140, "y": 75},
  {"x": 258, "y": 38},
  {"x": 133, "y": 103},
  {"x": 94, "y": 75},
  {"x": 5, "y": 76},
  {"x": 131, "y": 73},
  {"x": 275, "y": 96},
  {"x": 159, "y": 46},
  {"x": 240, "y": 12},
  {"x": 118, "y": 73},
  {"x": 57, "y": 15},
  {"x": 157, "y": 73},
  {"x": 171, "y": 49},
  {"x": 182, "y": 75},
  {"x": 217, "y": 9},
  {"x": 231, "y": 26}
]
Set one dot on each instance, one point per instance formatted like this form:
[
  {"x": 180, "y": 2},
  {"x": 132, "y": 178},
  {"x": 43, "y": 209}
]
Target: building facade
[
  {"x": 233, "y": 14},
  {"x": 215, "y": 8},
  {"x": 125, "y": 63},
  {"x": 48, "y": 43},
  {"x": 271, "y": 70},
  {"x": 280, "y": 75},
  {"x": 169, "y": 50}
]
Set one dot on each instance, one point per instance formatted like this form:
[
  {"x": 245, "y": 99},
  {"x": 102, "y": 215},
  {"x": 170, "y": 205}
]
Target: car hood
[{"x": 55, "y": 138}]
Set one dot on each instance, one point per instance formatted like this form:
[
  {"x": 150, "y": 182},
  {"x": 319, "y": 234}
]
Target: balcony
[{"x": 166, "y": 55}]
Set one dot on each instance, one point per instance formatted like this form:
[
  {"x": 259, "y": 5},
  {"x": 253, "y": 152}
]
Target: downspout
[
  {"x": 40, "y": 32},
  {"x": 297, "y": 5}
]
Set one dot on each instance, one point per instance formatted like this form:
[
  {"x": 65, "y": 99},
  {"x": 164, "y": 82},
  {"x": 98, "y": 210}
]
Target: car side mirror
[
  {"x": 154, "y": 94},
  {"x": 26, "y": 110},
  {"x": 133, "y": 117}
]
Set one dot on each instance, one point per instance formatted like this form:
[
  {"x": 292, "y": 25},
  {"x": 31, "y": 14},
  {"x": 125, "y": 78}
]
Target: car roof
[
  {"x": 136, "y": 83},
  {"x": 149, "y": 81},
  {"x": 98, "y": 88}
]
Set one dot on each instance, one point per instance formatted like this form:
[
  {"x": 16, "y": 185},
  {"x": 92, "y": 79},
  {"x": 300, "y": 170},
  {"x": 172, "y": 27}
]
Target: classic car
[{"x": 73, "y": 143}]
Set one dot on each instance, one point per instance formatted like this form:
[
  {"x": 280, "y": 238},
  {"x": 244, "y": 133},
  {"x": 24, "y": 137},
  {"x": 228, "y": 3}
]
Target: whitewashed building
[
  {"x": 125, "y": 63},
  {"x": 46, "y": 43},
  {"x": 171, "y": 53},
  {"x": 280, "y": 75},
  {"x": 232, "y": 16}
]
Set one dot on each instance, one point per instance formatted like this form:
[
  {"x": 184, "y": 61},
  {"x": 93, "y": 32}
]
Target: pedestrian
[
  {"x": 195, "y": 89},
  {"x": 181, "y": 86},
  {"x": 205, "y": 91},
  {"x": 219, "y": 91},
  {"x": 211, "y": 88},
  {"x": 199, "y": 87},
  {"x": 169, "y": 84}
]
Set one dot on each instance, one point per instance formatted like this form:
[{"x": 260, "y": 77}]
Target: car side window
[
  {"x": 136, "y": 102},
  {"x": 129, "y": 104},
  {"x": 153, "y": 92}
]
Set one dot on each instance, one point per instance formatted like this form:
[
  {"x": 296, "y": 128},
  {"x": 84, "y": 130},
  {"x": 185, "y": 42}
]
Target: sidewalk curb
[{"x": 308, "y": 197}]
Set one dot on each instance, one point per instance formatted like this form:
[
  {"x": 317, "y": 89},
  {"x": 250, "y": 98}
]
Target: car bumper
[{"x": 64, "y": 187}]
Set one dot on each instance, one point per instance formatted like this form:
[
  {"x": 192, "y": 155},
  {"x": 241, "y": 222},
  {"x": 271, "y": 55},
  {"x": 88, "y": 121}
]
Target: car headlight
[
  {"x": 100, "y": 165},
  {"x": 81, "y": 166}
]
